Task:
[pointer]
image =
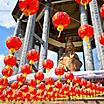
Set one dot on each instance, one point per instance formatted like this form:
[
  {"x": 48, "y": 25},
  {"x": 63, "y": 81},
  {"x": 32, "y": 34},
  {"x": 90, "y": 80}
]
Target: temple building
[{"x": 37, "y": 31}]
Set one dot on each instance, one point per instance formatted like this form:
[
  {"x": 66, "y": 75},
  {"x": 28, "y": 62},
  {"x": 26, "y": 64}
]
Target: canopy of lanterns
[{"x": 41, "y": 88}]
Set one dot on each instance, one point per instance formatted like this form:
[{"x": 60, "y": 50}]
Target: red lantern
[
  {"x": 32, "y": 83},
  {"x": 26, "y": 69},
  {"x": 13, "y": 43},
  {"x": 14, "y": 85},
  {"x": 9, "y": 92},
  {"x": 21, "y": 79},
  {"x": 49, "y": 81},
  {"x": 39, "y": 76},
  {"x": 86, "y": 31},
  {"x": 5, "y": 81},
  {"x": 41, "y": 86},
  {"x": 58, "y": 84},
  {"x": 101, "y": 39},
  {"x": 69, "y": 76},
  {"x": 83, "y": 2},
  {"x": 33, "y": 91},
  {"x": 19, "y": 94},
  {"x": 48, "y": 65},
  {"x": 7, "y": 73},
  {"x": 61, "y": 20},
  {"x": 83, "y": 83},
  {"x": 76, "y": 80},
  {"x": 65, "y": 87},
  {"x": 29, "y": 7},
  {"x": 33, "y": 56},
  {"x": 102, "y": 11},
  {"x": 59, "y": 71},
  {"x": 10, "y": 60},
  {"x": 2, "y": 97},
  {"x": 24, "y": 88}
]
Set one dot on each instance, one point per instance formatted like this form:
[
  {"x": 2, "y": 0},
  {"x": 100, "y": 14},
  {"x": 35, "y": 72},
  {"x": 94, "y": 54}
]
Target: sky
[{"x": 7, "y": 25}]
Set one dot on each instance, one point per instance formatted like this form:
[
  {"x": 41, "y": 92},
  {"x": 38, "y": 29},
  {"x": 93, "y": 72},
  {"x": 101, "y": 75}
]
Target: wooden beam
[
  {"x": 61, "y": 1},
  {"x": 59, "y": 44}
]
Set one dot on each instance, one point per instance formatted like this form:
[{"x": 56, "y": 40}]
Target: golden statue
[{"x": 70, "y": 60}]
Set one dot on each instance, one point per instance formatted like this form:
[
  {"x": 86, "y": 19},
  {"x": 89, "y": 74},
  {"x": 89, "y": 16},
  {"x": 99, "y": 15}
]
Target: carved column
[
  {"x": 45, "y": 35},
  {"x": 96, "y": 21},
  {"x": 86, "y": 44},
  {"x": 28, "y": 39}
]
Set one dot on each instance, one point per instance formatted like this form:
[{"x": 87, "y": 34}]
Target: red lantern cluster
[
  {"x": 60, "y": 21},
  {"x": 102, "y": 11},
  {"x": 28, "y": 7}
]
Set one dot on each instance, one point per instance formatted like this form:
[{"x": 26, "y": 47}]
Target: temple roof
[{"x": 69, "y": 6}]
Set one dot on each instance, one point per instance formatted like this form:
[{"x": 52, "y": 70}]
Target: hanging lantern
[
  {"x": 101, "y": 39},
  {"x": 58, "y": 84},
  {"x": 83, "y": 2},
  {"x": 13, "y": 43},
  {"x": 59, "y": 71},
  {"x": 14, "y": 85},
  {"x": 9, "y": 61},
  {"x": 102, "y": 11},
  {"x": 28, "y": 7},
  {"x": 76, "y": 80},
  {"x": 41, "y": 86},
  {"x": 32, "y": 56},
  {"x": 83, "y": 83},
  {"x": 21, "y": 79},
  {"x": 24, "y": 88},
  {"x": 60, "y": 21},
  {"x": 49, "y": 82},
  {"x": 32, "y": 83},
  {"x": 69, "y": 76},
  {"x": 7, "y": 73},
  {"x": 48, "y": 65},
  {"x": 86, "y": 32},
  {"x": 39, "y": 76},
  {"x": 26, "y": 69}
]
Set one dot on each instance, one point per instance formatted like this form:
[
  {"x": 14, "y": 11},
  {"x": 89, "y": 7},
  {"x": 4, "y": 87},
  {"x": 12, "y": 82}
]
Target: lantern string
[{"x": 58, "y": 10}]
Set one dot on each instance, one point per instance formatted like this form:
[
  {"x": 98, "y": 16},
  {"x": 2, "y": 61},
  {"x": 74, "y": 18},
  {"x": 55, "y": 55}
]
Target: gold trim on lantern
[
  {"x": 12, "y": 50},
  {"x": 8, "y": 67},
  {"x": 25, "y": 75},
  {"x": 31, "y": 62},
  {"x": 86, "y": 38}
]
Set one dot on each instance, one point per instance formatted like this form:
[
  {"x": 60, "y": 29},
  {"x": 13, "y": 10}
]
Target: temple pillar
[
  {"x": 45, "y": 35},
  {"x": 16, "y": 33},
  {"x": 28, "y": 39},
  {"x": 96, "y": 21},
  {"x": 18, "y": 26},
  {"x": 86, "y": 44}
]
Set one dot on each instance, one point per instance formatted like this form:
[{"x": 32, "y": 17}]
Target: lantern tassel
[{"x": 59, "y": 34}]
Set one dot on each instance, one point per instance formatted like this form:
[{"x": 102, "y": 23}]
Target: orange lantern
[
  {"x": 28, "y": 7},
  {"x": 83, "y": 2},
  {"x": 60, "y": 21}
]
